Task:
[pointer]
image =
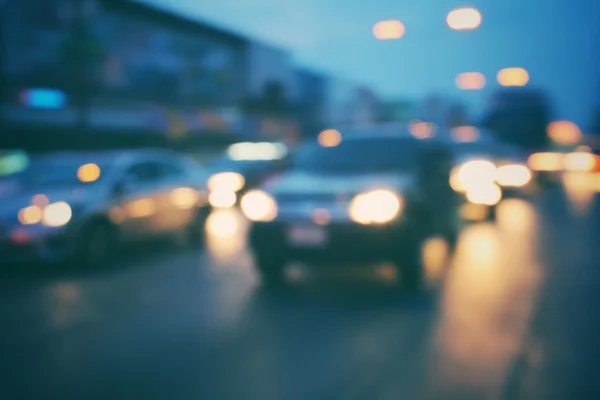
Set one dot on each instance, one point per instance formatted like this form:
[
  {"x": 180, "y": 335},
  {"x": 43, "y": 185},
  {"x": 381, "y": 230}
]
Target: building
[
  {"x": 349, "y": 104},
  {"x": 129, "y": 65},
  {"x": 311, "y": 100}
]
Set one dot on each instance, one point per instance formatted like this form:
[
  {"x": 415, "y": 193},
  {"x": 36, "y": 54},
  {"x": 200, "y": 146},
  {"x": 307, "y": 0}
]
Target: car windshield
[
  {"x": 368, "y": 155},
  {"x": 227, "y": 164},
  {"x": 490, "y": 149},
  {"x": 54, "y": 171}
]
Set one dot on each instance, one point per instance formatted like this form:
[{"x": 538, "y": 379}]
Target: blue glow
[{"x": 43, "y": 98}]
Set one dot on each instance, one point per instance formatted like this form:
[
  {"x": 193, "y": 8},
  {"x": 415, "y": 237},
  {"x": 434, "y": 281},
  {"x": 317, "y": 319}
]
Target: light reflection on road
[
  {"x": 580, "y": 188},
  {"x": 486, "y": 303}
]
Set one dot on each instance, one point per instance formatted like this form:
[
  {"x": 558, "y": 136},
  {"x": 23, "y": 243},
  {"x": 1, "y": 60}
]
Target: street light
[
  {"x": 515, "y": 76},
  {"x": 388, "y": 30},
  {"x": 470, "y": 81},
  {"x": 464, "y": 18}
]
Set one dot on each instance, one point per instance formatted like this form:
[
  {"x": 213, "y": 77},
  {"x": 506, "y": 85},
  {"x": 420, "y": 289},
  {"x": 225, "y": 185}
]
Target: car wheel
[
  {"x": 98, "y": 244},
  {"x": 271, "y": 269}
]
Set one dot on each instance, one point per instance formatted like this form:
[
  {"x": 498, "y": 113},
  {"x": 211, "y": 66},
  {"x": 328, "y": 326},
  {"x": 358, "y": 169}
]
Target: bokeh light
[
  {"x": 513, "y": 77},
  {"x": 388, "y": 30},
  {"x": 464, "y": 134},
  {"x": 329, "y": 138},
  {"x": 464, "y": 18},
  {"x": 422, "y": 130},
  {"x": 470, "y": 81},
  {"x": 88, "y": 173},
  {"x": 564, "y": 132}
]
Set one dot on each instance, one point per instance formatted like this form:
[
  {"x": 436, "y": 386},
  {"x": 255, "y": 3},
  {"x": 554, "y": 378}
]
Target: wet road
[{"x": 513, "y": 314}]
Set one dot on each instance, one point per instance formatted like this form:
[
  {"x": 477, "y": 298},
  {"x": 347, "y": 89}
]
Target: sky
[{"x": 557, "y": 41}]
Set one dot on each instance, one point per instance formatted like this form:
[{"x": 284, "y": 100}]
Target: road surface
[{"x": 513, "y": 314}]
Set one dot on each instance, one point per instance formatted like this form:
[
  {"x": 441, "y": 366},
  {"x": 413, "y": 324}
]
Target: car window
[
  {"x": 144, "y": 172},
  {"x": 366, "y": 155},
  {"x": 170, "y": 170}
]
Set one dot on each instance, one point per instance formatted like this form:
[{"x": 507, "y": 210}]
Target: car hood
[{"x": 304, "y": 182}]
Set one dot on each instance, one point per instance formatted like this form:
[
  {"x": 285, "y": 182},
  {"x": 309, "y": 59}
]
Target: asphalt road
[{"x": 513, "y": 314}]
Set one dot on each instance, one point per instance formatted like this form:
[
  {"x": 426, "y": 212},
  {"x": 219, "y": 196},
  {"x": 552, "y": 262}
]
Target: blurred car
[
  {"x": 485, "y": 172},
  {"x": 368, "y": 198},
  {"x": 243, "y": 167},
  {"x": 74, "y": 206}
]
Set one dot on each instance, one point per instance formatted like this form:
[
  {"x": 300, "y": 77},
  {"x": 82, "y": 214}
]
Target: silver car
[{"x": 83, "y": 206}]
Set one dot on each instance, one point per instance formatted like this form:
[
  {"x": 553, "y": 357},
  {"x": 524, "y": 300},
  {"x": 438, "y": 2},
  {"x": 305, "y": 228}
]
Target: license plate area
[{"x": 307, "y": 236}]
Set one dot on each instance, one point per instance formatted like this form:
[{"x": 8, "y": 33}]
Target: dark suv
[{"x": 370, "y": 198}]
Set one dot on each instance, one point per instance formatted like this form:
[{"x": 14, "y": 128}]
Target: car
[
  {"x": 244, "y": 166},
  {"x": 369, "y": 198},
  {"x": 486, "y": 172},
  {"x": 83, "y": 206}
]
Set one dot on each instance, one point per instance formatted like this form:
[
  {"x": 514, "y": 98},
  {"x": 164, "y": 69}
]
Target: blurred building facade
[
  {"x": 130, "y": 65},
  {"x": 116, "y": 65}
]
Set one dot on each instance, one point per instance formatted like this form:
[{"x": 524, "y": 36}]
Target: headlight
[
  {"x": 580, "y": 162},
  {"x": 375, "y": 207},
  {"x": 57, "y": 214},
  {"x": 550, "y": 162},
  {"x": 471, "y": 174},
  {"x": 513, "y": 175},
  {"x": 226, "y": 182},
  {"x": 258, "y": 206},
  {"x": 486, "y": 195}
]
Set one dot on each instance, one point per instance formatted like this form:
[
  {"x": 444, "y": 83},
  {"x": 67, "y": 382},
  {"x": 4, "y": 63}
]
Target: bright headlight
[
  {"x": 226, "y": 182},
  {"x": 57, "y": 214},
  {"x": 375, "y": 207},
  {"x": 486, "y": 195},
  {"x": 580, "y": 161},
  {"x": 514, "y": 175},
  {"x": 258, "y": 206},
  {"x": 471, "y": 174}
]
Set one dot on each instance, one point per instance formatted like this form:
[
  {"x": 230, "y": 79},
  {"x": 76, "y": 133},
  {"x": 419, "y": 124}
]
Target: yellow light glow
[
  {"x": 141, "y": 208},
  {"x": 30, "y": 215},
  {"x": 222, "y": 198},
  {"x": 184, "y": 198},
  {"x": 580, "y": 162},
  {"x": 474, "y": 212},
  {"x": 329, "y": 138},
  {"x": 375, "y": 207},
  {"x": 474, "y": 173},
  {"x": 422, "y": 130},
  {"x": 88, "y": 173},
  {"x": 258, "y": 206},
  {"x": 549, "y": 162},
  {"x": 464, "y": 134},
  {"x": 513, "y": 77},
  {"x": 513, "y": 175},
  {"x": 388, "y": 30},
  {"x": 226, "y": 181},
  {"x": 57, "y": 214},
  {"x": 486, "y": 195},
  {"x": 465, "y": 18},
  {"x": 564, "y": 132},
  {"x": 222, "y": 224},
  {"x": 470, "y": 81}
]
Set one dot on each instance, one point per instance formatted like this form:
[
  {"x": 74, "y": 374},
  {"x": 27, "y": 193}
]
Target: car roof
[{"x": 108, "y": 156}]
